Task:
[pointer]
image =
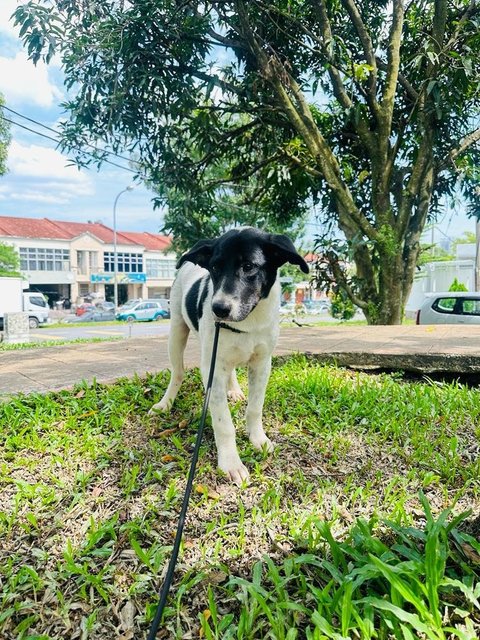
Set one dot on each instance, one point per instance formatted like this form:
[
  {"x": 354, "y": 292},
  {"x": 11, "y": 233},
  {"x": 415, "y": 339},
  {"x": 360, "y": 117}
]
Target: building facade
[{"x": 76, "y": 260}]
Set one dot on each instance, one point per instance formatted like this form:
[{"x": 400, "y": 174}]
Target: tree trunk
[{"x": 388, "y": 308}]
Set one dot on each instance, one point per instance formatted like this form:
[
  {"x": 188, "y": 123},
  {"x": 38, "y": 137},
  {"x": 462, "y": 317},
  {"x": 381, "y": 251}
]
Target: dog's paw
[
  {"x": 262, "y": 442},
  {"x": 235, "y": 395},
  {"x": 235, "y": 469},
  {"x": 160, "y": 407}
]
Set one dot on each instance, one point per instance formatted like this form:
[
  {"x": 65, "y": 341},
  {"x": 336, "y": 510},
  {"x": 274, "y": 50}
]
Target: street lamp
[{"x": 115, "y": 253}]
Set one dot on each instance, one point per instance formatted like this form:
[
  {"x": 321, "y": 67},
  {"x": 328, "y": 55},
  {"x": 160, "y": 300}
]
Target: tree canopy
[
  {"x": 9, "y": 260},
  {"x": 369, "y": 110},
  {"x": 4, "y": 139}
]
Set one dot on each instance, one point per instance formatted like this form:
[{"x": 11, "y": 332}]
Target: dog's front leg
[
  {"x": 177, "y": 341},
  {"x": 258, "y": 373},
  {"x": 234, "y": 391},
  {"x": 223, "y": 428}
]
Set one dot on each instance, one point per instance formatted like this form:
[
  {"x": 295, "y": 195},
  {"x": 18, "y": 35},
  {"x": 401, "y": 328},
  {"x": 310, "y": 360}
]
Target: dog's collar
[{"x": 223, "y": 325}]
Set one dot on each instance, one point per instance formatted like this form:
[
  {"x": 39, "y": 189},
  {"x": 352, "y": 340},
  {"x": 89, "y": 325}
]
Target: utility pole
[
  {"x": 115, "y": 252},
  {"x": 477, "y": 256}
]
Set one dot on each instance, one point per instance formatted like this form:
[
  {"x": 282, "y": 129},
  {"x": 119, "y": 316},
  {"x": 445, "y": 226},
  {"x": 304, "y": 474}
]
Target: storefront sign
[{"x": 122, "y": 278}]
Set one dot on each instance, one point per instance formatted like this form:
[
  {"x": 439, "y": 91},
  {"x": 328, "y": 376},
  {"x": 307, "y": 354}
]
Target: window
[
  {"x": 40, "y": 259},
  {"x": 444, "y": 305},
  {"x": 471, "y": 307},
  {"x": 161, "y": 268},
  {"x": 126, "y": 262},
  {"x": 37, "y": 300}
]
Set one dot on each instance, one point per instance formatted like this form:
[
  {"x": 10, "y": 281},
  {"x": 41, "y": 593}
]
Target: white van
[
  {"x": 14, "y": 299},
  {"x": 36, "y": 305}
]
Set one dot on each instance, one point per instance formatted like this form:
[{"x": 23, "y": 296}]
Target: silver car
[
  {"x": 450, "y": 307},
  {"x": 146, "y": 310}
]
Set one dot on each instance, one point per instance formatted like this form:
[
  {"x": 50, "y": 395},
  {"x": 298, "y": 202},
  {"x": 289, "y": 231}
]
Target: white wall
[{"x": 438, "y": 276}]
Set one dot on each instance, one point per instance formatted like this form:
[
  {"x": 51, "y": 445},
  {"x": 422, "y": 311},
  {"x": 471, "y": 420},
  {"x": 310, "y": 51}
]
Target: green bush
[
  {"x": 342, "y": 307},
  {"x": 457, "y": 286}
]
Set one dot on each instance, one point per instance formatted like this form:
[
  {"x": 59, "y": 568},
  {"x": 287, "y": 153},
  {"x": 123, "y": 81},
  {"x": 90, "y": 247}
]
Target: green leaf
[{"x": 411, "y": 618}]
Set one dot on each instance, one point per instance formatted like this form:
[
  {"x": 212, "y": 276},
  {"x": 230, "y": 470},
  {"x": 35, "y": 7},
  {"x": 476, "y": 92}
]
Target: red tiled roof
[
  {"x": 29, "y": 228},
  {"x": 60, "y": 230},
  {"x": 97, "y": 229},
  {"x": 151, "y": 241}
]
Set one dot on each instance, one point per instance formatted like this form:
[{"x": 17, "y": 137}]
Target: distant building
[
  {"x": 75, "y": 260},
  {"x": 439, "y": 276}
]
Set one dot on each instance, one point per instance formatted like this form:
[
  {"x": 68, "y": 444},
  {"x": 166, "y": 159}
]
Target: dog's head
[{"x": 243, "y": 267}]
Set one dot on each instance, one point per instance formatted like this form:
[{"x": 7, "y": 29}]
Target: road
[
  {"x": 94, "y": 330},
  {"x": 134, "y": 329}
]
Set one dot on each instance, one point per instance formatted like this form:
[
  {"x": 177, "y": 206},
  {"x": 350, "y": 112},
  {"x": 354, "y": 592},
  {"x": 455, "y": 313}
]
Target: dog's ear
[
  {"x": 281, "y": 250},
  {"x": 199, "y": 254}
]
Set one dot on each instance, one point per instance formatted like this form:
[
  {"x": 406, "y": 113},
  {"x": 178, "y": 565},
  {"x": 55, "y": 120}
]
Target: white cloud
[
  {"x": 36, "y": 161},
  {"x": 40, "y": 174},
  {"x": 23, "y": 82},
  {"x": 37, "y": 197},
  {"x": 7, "y": 7}
]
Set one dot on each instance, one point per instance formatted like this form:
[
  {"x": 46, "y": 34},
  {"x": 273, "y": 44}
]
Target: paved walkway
[{"x": 439, "y": 348}]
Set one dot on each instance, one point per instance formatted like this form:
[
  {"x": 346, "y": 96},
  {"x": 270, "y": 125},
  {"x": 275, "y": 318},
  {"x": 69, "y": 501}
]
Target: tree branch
[
  {"x": 393, "y": 60},
  {"x": 301, "y": 119},
  {"x": 326, "y": 31},
  {"x": 467, "y": 142},
  {"x": 422, "y": 166},
  {"x": 224, "y": 41},
  {"x": 366, "y": 41},
  {"x": 437, "y": 35},
  {"x": 462, "y": 19},
  {"x": 439, "y": 23},
  {"x": 362, "y": 32},
  {"x": 412, "y": 93},
  {"x": 212, "y": 79},
  {"x": 247, "y": 174},
  {"x": 340, "y": 278}
]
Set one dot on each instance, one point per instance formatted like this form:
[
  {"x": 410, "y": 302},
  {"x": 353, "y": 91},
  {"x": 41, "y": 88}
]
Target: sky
[{"x": 40, "y": 182}]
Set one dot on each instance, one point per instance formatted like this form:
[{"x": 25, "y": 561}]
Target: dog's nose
[{"x": 221, "y": 309}]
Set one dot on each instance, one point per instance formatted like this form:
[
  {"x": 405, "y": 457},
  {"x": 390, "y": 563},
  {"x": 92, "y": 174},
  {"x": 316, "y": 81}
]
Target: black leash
[{"x": 186, "y": 496}]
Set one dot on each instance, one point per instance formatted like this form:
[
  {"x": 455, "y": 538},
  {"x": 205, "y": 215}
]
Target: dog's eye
[{"x": 247, "y": 266}]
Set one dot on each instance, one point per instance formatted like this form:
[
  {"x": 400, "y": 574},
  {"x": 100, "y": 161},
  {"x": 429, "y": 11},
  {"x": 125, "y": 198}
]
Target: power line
[
  {"x": 43, "y": 135},
  {"x": 57, "y": 141},
  {"x": 57, "y": 133}
]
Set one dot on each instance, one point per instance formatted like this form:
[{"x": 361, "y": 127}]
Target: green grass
[
  {"x": 53, "y": 343},
  {"x": 357, "y": 526}
]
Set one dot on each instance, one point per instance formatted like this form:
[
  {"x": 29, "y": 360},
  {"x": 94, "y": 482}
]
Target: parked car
[
  {"x": 451, "y": 307},
  {"x": 129, "y": 303},
  {"x": 105, "y": 306},
  {"x": 146, "y": 310},
  {"x": 315, "y": 307},
  {"x": 94, "y": 315},
  {"x": 83, "y": 308},
  {"x": 292, "y": 309},
  {"x": 164, "y": 303}
]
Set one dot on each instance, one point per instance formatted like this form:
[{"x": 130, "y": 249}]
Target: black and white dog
[{"x": 232, "y": 279}]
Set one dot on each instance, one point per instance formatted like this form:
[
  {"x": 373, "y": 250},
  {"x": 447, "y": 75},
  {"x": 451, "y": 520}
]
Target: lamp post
[{"x": 115, "y": 253}]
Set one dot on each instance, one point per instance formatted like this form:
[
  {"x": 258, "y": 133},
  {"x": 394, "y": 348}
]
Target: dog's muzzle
[{"x": 221, "y": 310}]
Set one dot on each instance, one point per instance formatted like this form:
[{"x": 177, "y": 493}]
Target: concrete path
[{"x": 438, "y": 348}]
